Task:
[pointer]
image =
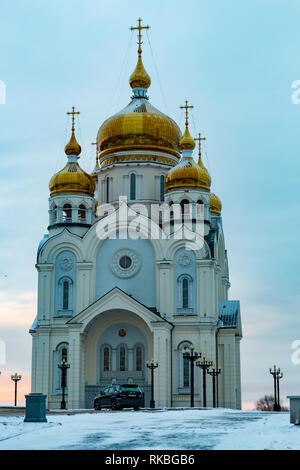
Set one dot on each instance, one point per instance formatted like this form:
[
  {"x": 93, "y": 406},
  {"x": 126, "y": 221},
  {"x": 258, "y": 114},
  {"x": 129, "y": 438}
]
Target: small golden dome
[
  {"x": 215, "y": 204},
  {"x": 72, "y": 179},
  {"x": 187, "y": 142},
  {"x": 187, "y": 174},
  {"x": 139, "y": 78},
  {"x": 72, "y": 147}
]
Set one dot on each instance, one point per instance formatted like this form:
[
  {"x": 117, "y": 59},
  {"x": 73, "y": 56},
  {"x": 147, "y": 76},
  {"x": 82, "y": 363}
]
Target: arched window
[
  {"x": 138, "y": 358},
  {"x": 186, "y": 372},
  {"x": 59, "y": 354},
  {"x": 82, "y": 212},
  {"x": 132, "y": 186},
  {"x": 106, "y": 358},
  {"x": 185, "y": 293},
  {"x": 162, "y": 187},
  {"x": 122, "y": 358},
  {"x": 185, "y": 207},
  {"x": 66, "y": 293},
  {"x": 107, "y": 189},
  {"x": 184, "y": 366},
  {"x": 67, "y": 213},
  {"x": 54, "y": 214},
  {"x": 65, "y": 297}
]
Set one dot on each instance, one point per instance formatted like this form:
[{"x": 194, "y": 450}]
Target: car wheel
[{"x": 114, "y": 405}]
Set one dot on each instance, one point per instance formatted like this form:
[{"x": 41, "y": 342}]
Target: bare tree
[{"x": 266, "y": 403}]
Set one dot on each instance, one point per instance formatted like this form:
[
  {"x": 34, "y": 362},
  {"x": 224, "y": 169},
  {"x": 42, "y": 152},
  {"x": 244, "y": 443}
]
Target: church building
[{"x": 109, "y": 302}]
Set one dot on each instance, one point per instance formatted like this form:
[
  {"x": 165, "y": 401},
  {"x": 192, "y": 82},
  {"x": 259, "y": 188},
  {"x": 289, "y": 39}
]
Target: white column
[
  {"x": 42, "y": 362},
  {"x": 161, "y": 333},
  {"x": 75, "y": 376}
]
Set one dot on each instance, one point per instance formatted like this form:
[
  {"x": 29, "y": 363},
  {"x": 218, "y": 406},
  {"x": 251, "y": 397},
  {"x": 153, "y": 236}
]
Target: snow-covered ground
[{"x": 161, "y": 429}]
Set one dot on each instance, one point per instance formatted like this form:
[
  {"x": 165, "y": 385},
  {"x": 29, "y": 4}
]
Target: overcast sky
[{"x": 235, "y": 62}]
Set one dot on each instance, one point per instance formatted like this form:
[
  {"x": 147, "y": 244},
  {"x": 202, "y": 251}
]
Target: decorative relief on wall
[
  {"x": 66, "y": 263},
  {"x": 126, "y": 263},
  {"x": 185, "y": 259}
]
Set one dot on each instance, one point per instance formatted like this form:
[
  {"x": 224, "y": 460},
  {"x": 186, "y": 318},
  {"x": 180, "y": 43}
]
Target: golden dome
[
  {"x": 139, "y": 126},
  {"x": 187, "y": 142},
  {"x": 72, "y": 179},
  {"x": 72, "y": 147},
  {"x": 215, "y": 204},
  {"x": 187, "y": 174},
  {"x": 139, "y": 77}
]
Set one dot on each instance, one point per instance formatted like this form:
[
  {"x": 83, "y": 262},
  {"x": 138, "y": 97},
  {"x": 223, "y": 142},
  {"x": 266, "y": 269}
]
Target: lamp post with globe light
[
  {"x": 204, "y": 364},
  {"x": 15, "y": 378},
  {"x": 192, "y": 355},
  {"x": 152, "y": 366},
  {"x": 214, "y": 374},
  {"x": 63, "y": 366}
]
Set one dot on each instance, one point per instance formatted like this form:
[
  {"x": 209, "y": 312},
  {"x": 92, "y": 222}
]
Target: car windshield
[{"x": 132, "y": 388}]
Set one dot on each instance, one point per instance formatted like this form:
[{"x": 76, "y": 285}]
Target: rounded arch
[{"x": 54, "y": 248}]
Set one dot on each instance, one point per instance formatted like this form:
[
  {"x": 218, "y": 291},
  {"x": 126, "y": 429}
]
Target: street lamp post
[
  {"x": 277, "y": 375},
  {"x": 204, "y": 364},
  {"x": 63, "y": 366},
  {"x": 214, "y": 373},
  {"x": 15, "y": 378},
  {"x": 152, "y": 365},
  {"x": 192, "y": 355}
]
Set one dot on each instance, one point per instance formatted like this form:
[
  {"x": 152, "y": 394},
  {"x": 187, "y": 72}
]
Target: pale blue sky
[{"x": 235, "y": 61}]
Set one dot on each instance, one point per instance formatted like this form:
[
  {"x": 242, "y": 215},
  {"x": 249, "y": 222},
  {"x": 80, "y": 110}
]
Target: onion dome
[
  {"x": 139, "y": 77},
  {"x": 215, "y": 204},
  {"x": 187, "y": 173},
  {"x": 72, "y": 178},
  {"x": 139, "y": 127}
]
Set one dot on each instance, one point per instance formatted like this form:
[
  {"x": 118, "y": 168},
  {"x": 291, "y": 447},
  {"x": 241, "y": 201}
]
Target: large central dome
[{"x": 139, "y": 127}]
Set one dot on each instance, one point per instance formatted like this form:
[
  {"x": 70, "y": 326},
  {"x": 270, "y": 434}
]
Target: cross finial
[
  {"x": 97, "y": 158},
  {"x": 73, "y": 112},
  {"x": 186, "y": 107},
  {"x": 199, "y": 138},
  {"x": 139, "y": 27}
]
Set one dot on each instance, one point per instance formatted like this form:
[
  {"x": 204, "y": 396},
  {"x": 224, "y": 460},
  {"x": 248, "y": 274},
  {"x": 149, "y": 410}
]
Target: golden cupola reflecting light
[
  {"x": 72, "y": 178},
  {"x": 187, "y": 173},
  {"x": 215, "y": 204},
  {"x": 139, "y": 131}
]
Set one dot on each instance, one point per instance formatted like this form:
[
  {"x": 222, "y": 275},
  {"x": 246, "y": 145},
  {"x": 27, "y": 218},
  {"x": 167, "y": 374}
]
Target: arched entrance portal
[
  {"x": 122, "y": 353},
  {"x": 117, "y": 346}
]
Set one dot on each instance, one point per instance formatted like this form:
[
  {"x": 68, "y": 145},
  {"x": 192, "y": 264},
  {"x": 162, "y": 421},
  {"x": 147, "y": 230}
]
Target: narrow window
[
  {"x": 106, "y": 359},
  {"x": 54, "y": 214},
  {"x": 67, "y": 213},
  {"x": 122, "y": 358},
  {"x": 107, "y": 189},
  {"x": 138, "y": 358},
  {"x": 185, "y": 293},
  {"x": 162, "y": 187},
  {"x": 82, "y": 212},
  {"x": 65, "y": 295},
  {"x": 64, "y": 354},
  {"x": 186, "y": 372},
  {"x": 132, "y": 187}
]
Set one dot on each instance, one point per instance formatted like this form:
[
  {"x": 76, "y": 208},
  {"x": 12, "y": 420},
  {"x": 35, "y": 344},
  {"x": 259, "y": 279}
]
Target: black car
[{"x": 117, "y": 397}]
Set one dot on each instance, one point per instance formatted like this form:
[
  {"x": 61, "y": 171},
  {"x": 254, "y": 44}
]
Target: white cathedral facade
[{"x": 109, "y": 304}]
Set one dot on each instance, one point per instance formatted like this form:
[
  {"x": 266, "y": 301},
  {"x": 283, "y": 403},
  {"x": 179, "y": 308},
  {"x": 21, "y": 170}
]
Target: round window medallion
[
  {"x": 66, "y": 264},
  {"x": 126, "y": 263},
  {"x": 122, "y": 332}
]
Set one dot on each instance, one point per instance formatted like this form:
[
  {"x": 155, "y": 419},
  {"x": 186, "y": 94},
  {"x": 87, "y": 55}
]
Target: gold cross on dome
[
  {"x": 73, "y": 112},
  {"x": 139, "y": 27},
  {"x": 186, "y": 107},
  {"x": 199, "y": 138}
]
